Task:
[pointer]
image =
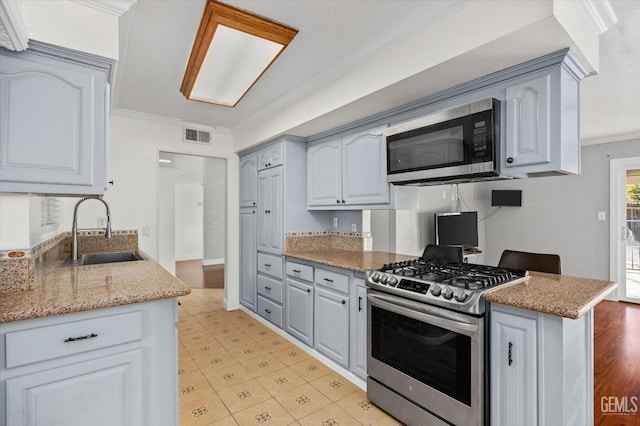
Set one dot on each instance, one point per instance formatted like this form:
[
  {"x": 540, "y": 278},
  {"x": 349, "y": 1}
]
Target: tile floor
[{"x": 235, "y": 371}]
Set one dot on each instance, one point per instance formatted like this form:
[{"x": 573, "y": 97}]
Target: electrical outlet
[
  {"x": 335, "y": 221},
  {"x": 353, "y": 228},
  {"x": 146, "y": 231},
  {"x": 102, "y": 222},
  {"x": 453, "y": 196},
  {"x": 444, "y": 194},
  {"x": 602, "y": 215}
]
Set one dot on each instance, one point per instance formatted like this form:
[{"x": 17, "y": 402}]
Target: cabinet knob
[
  {"x": 342, "y": 201},
  {"x": 111, "y": 182},
  {"x": 254, "y": 203},
  {"x": 344, "y": 302},
  {"x": 268, "y": 288},
  {"x": 267, "y": 311},
  {"x": 308, "y": 290},
  {"x": 510, "y": 160},
  {"x": 338, "y": 201}
]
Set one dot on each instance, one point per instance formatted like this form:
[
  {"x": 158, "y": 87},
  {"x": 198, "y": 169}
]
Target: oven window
[
  {"x": 435, "y": 356},
  {"x": 424, "y": 151}
]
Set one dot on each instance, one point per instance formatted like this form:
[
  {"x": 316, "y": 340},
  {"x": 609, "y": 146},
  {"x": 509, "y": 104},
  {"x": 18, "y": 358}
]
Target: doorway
[
  {"x": 192, "y": 218},
  {"x": 625, "y": 227}
]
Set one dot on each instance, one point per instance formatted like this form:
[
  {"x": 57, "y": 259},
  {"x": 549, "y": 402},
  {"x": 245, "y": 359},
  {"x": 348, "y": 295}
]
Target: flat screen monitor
[{"x": 457, "y": 229}]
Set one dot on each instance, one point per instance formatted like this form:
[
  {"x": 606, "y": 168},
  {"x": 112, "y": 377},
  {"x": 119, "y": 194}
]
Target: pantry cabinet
[
  {"x": 248, "y": 257},
  {"x": 270, "y": 235},
  {"x": 348, "y": 171},
  {"x": 113, "y": 366},
  {"x": 54, "y": 121}
]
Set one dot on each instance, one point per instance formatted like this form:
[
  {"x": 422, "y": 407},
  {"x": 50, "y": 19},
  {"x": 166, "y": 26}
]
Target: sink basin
[{"x": 111, "y": 257}]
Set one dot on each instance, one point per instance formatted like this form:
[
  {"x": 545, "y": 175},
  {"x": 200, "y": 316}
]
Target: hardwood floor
[
  {"x": 617, "y": 363},
  {"x": 195, "y": 275}
]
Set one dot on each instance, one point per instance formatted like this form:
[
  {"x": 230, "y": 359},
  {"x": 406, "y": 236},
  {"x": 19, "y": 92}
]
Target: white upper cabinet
[
  {"x": 348, "y": 171},
  {"x": 248, "y": 181},
  {"x": 53, "y": 122},
  {"x": 542, "y": 134},
  {"x": 271, "y": 156}
]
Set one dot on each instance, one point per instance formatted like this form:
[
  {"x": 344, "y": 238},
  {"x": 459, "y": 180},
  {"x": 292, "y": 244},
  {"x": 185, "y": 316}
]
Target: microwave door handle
[{"x": 424, "y": 312}]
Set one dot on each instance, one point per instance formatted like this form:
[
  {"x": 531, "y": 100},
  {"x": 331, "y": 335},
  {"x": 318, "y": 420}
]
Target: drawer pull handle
[
  {"x": 328, "y": 280},
  {"x": 74, "y": 339},
  {"x": 510, "y": 349},
  {"x": 296, "y": 271},
  {"x": 268, "y": 265},
  {"x": 343, "y": 302},
  {"x": 267, "y": 311},
  {"x": 359, "y": 304},
  {"x": 268, "y": 288}
]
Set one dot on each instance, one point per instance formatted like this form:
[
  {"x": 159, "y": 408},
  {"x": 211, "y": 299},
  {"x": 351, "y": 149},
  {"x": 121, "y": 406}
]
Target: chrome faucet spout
[{"x": 74, "y": 227}]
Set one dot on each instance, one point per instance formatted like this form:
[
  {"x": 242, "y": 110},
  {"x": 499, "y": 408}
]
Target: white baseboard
[
  {"x": 208, "y": 262},
  {"x": 188, "y": 257}
]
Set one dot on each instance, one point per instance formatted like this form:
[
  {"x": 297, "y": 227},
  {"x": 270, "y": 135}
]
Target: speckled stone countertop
[
  {"x": 63, "y": 289},
  {"x": 358, "y": 261},
  {"x": 561, "y": 295}
]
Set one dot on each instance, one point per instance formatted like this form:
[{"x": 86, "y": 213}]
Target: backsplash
[
  {"x": 17, "y": 267},
  {"x": 323, "y": 240}
]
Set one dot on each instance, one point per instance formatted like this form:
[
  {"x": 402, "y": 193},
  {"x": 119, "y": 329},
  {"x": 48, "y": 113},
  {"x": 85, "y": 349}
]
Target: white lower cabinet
[
  {"x": 513, "y": 370},
  {"x": 105, "y": 391},
  {"x": 299, "y": 311},
  {"x": 112, "y": 366},
  {"x": 331, "y": 325}
]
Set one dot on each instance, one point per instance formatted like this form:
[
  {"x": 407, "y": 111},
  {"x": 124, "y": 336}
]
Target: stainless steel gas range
[{"x": 426, "y": 360}]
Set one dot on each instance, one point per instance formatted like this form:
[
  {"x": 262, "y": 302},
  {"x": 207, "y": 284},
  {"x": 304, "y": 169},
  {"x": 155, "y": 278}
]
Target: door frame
[{"x": 617, "y": 256}]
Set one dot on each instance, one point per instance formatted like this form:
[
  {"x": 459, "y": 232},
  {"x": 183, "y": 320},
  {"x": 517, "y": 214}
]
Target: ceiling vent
[{"x": 194, "y": 134}]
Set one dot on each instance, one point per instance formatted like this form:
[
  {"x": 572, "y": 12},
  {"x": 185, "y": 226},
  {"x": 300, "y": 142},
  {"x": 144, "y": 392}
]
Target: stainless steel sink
[{"x": 110, "y": 257}]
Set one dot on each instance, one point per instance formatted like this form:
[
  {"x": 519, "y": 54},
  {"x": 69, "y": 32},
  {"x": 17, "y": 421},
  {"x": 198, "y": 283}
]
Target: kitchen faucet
[{"x": 74, "y": 228}]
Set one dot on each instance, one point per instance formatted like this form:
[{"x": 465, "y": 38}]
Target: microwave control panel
[{"x": 480, "y": 139}]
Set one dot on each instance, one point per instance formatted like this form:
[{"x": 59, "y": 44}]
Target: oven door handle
[{"x": 421, "y": 311}]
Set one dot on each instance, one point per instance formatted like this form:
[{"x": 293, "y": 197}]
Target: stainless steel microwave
[{"x": 456, "y": 145}]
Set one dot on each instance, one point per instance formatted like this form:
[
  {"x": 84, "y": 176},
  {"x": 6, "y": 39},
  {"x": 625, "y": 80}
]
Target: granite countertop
[
  {"x": 63, "y": 289},
  {"x": 561, "y": 295},
  {"x": 358, "y": 261}
]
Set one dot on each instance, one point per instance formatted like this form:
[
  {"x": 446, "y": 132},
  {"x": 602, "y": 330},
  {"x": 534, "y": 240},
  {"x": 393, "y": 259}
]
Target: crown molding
[
  {"x": 601, "y": 14},
  {"x": 13, "y": 32},
  {"x": 112, "y": 7}
]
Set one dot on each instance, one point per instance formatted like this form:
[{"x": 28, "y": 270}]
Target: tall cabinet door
[
  {"x": 359, "y": 340},
  {"x": 331, "y": 325},
  {"x": 248, "y": 257},
  {"x": 324, "y": 174},
  {"x": 528, "y": 139},
  {"x": 248, "y": 181},
  {"x": 361, "y": 153},
  {"x": 513, "y": 370},
  {"x": 270, "y": 190}
]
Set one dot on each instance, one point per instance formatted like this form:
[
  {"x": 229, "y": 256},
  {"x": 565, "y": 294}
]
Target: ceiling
[{"x": 336, "y": 36}]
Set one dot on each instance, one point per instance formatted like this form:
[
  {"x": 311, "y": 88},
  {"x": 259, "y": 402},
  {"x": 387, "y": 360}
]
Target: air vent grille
[{"x": 196, "y": 135}]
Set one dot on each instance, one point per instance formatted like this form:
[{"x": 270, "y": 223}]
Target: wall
[
  {"x": 559, "y": 214},
  {"x": 135, "y": 140},
  {"x": 215, "y": 211},
  {"x": 189, "y": 217}
]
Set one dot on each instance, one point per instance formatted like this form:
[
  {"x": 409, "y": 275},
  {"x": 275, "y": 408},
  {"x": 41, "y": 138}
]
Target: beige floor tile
[
  {"x": 189, "y": 328},
  {"x": 262, "y": 365},
  {"x": 234, "y": 340},
  {"x": 275, "y": 344},
  {"x": 227, "y": 421},
  {"x": 205, "y": 410},
  {"x": 248, "y": 351},
  {"x": 268, "y": 412},
  {"x": 334, "y": 386},
  {"x": 193, "y": 387},
  {"x": 302, "y": 401},
  {"x": 310, "y": 369},
  {"x": 387, "y": 421},
  {"x": 187, "y": 365},
  {"x": 290, "y": 356},
  {"x": 358, "y": 406},
  {"x": 226, "y": 332},
  {"x": 260, "y": 332},
  {"x": 196, "y": 339},
  {"x": 244, "y": 395},
  {"x": 187, "y": 320},
  {"x": 215, "y": 360},
  {"x": 227, "y": 376},
  {"x": 331, "y": 415},
  {"x": 208, "y": 347},
  {"x": 281, "y": 381}
]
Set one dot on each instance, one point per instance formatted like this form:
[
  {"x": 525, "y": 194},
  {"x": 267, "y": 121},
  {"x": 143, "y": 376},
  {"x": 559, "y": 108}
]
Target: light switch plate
[
  {"x": 335, "y": 221},
  {"x": 602, "y": 215},
  {"x": 146, "y": 231},
  {"x": 353, "y": 228}
]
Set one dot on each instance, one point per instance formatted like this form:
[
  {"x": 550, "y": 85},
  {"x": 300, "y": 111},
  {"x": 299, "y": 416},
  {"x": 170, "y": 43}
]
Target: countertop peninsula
[
  {"x": 357, "y": 261},
  {"x": 561, "y": 295},
  {"x": 61, "y": 289}
]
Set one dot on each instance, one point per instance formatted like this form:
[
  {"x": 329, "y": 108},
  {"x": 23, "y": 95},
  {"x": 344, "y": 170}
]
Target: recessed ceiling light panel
[{"x": 233, "y": 48}]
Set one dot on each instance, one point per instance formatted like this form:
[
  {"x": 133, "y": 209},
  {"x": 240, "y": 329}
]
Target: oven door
[{"x": 430, "y": 356}]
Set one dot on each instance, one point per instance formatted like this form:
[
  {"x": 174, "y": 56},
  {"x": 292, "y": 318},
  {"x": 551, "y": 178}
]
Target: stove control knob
[
  {"x": 447, "y": 293},
  {"x": 462, "y": 296},
  {"x": 436, "y": 290},
  {"x": 383, "y": 279},
  {"x": 393, "y": 281},
  {"x": 375, "y": 277}
]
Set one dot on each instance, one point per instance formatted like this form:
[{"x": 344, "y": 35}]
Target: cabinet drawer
[
  {"x": 332, "y": 280},
  {"x": 300, "y": 271},
  {"x": 54, "y": 341},
  {"x": 270, "y": 265},
  {"x": 269, "y": 310},
  {"x": 270, "y": 288}
]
